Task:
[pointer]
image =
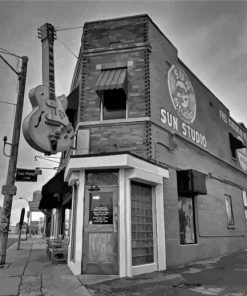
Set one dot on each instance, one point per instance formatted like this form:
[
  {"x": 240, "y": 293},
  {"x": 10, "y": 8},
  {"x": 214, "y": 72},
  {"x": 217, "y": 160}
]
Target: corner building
[{"x": 159, "y": 170}]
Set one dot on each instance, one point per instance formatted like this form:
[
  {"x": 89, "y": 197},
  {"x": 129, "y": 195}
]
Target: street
[{"x": 221, "y": 276}]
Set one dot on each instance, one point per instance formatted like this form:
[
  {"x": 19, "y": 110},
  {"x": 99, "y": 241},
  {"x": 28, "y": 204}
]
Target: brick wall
[
  {"x": 115, "y": 33},
  {"x": 120, "y": 137},
  {"x": 211, "y": 222},
  {"x": 125, "y": 43},
  {"x": 131, "y": 52},
  {"x": 137, "y": 97}
]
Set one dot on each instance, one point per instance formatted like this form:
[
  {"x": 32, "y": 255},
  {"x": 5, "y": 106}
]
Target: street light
[{"x": 28, "y": 216}]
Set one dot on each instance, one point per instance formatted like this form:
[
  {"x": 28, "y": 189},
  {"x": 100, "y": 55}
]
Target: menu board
[{"x": 100, "y": 208}]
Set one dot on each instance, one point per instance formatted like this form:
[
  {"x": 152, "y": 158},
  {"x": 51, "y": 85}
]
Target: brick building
[{"x": 158, "y": 174}]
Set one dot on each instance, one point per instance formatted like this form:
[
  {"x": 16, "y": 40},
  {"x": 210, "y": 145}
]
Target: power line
[
  {"x": 68, "y": 48},
  {"x": 5, "y": 51},
  {"x": 66, "y": 29},
  {"x": 7, "y": 103}
]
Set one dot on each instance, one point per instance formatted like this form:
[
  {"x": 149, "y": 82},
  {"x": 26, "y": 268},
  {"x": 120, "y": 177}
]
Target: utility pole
[
  {"x": 9, "y": 189},
  {"x": 20, "y": 227}
]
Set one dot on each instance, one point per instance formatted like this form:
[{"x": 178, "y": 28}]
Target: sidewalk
[{"x": 28, "y": 272}]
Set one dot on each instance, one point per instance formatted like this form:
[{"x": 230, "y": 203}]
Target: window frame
[
  {"x": 244, "y": 195},
  {"x": 229, "y": 216},
  {"x": 235, "y": 144},
  {"x": 102, "y": 107}
]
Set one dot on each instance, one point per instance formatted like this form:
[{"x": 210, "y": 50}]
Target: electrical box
[{"x": 191, "y": 182}]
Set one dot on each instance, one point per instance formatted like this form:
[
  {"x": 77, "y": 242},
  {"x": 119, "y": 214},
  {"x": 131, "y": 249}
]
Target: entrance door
[{"x": 100, "y": 248}]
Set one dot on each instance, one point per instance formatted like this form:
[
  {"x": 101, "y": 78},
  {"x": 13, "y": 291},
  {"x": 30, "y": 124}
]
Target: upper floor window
[
  {"x": 112, "y": 90},
  {"x": 235, "y": 144},
  {"x": 113, "y": 104}
]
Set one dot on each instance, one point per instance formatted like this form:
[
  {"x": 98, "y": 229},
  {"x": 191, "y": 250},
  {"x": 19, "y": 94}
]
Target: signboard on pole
[
  {"x": 34, "y": 206},
  {"x": 25, "y": 175},
  {"x": 9, "y": 189}
]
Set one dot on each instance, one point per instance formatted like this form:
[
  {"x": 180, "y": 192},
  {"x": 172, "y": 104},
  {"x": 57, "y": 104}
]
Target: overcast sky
[{"x": 211, "y": 38}]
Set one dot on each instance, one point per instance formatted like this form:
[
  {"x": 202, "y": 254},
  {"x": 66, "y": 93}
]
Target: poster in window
[
  {"x": 229, "y": 213},
  {"x": 186, "y": 221},
  {"x": 100, "y": 208}
]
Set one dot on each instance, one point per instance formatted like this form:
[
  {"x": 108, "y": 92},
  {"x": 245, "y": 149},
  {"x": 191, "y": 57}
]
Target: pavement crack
[
  {"x": 27, "y": 259},
  {"x": 41, "y": 285},
  {"x": 19, "y": 287}
]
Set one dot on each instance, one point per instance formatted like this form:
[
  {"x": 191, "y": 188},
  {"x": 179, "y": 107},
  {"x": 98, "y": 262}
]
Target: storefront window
[
  {"x": 229, "y": 212},
  {"x": 73, "y": 234},
  {"x": 245, "y": 204},
  {"x": 186, "y": 220},
  {"x": 141, "y": 224},
  {"x": 66, "y": 222}
]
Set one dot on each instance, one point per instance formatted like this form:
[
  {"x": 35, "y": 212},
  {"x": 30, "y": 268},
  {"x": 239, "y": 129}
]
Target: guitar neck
[
  {"x": 51, "y": 71},
  {"x": 48, "y": 73}
]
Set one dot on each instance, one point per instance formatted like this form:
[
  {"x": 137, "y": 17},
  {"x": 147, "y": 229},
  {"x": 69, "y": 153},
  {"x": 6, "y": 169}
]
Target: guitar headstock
[{"x": 47, "y": 31}]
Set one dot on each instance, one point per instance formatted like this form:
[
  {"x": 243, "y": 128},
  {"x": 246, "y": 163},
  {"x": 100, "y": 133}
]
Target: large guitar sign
[{"x": 47, "y": 128}]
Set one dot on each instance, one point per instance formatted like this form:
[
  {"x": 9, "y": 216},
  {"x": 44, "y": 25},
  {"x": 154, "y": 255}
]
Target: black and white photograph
[{"x": 123, "y": 147}]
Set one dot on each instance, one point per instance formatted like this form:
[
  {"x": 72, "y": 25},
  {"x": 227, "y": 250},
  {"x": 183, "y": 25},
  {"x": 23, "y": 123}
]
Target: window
[
  {"x": 74, "y": 218},
  {"x": 229, "y": 212},
  {"x": 142, "y": 224},
  {"x": 245, "y": 204},
  {"x": 111, "y": 87},
  {"x": 186, "y": 220},
  {"x": 67, "y": 213},
  {"x": 235, "y": 144},
  {"x": 114, "y": 104}
]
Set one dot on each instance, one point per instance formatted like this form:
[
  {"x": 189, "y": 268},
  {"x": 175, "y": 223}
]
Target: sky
[{"x": 211, "y": 38}]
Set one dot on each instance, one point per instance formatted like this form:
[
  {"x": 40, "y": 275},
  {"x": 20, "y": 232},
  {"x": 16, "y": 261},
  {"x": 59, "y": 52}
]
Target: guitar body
[{"x": 47, "y": 128}]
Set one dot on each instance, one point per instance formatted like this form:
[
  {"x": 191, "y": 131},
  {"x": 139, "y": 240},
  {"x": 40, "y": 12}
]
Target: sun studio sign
[{"x": 184, "y": 102}]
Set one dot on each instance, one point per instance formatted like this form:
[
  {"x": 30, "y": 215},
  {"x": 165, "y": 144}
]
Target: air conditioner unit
[{"x": 191, "y": 182}]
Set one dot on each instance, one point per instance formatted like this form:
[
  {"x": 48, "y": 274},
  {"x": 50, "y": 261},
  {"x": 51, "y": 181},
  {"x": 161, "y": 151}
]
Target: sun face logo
[{"x": 182, "y": 94}]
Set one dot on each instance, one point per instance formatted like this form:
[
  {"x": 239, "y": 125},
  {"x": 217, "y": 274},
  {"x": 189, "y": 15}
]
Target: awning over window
[
  {"x": 112, "y": 79},
  {"x": 55, "y": 185}
]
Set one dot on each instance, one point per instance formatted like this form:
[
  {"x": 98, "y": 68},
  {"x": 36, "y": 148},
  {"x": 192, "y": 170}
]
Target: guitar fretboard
[
  {"x": 47, "y": 36},
  {"x": 51, "y": 71}
]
